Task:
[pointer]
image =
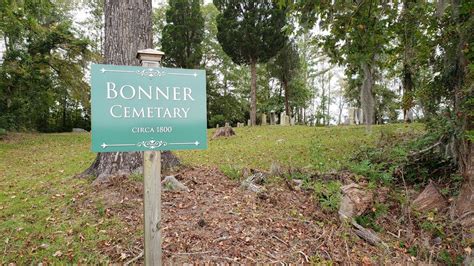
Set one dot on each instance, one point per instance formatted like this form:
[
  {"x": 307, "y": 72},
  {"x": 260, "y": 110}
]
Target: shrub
[
  {"x": 216, "y": 119},
  {"x": 3, "y": 133},
  {"x": 328, "y": 194}
]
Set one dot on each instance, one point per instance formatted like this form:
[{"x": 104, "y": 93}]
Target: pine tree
[
  {"x": 183, "y": 34},
  {"x": 250, "y": 32}
]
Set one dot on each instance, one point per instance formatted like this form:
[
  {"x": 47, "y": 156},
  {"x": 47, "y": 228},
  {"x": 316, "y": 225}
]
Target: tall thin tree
[{"x": 285, "y": 67}]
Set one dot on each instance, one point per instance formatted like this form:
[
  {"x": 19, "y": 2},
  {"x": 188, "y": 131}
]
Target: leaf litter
[{"x": 217, "y": 221}]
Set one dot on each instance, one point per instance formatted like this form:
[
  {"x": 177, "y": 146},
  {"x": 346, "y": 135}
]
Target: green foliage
[
  {"x": 318, "y": 260},
  {"x": 159, "y": 22},
  {"x": 410, "y": 156},
  {"x": 138, "y": 177},
  {"x": 413, "y": 250},
  {"x": 373, "y": 171},
  {"x": 42, "y": 76},
  {"x": 447, "y": 258},
  {"x": 227, "y": 83},
  {"x": 183, "y": 34},
  {"x": 370, "y": 219},
  {"x": 216, "y": 120},
  {"x": 250, "y": 31},
  {"x": 328, "y": 194},
  {"x": 286, "y": 67},
  {"x": 3, "y": 133},
  {"x": 224, "y": 108},
  {"x": 231, "y": 171}
]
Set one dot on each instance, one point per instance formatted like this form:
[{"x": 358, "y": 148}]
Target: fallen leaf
[
  {"x": 468, "y": 250},
  {"x": 57, "y": 253}
]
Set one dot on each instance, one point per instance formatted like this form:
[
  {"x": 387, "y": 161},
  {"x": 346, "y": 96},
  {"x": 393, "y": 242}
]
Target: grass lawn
[
  {"x": 37, "y": 191},
  {"x": 319, "y": 148}
]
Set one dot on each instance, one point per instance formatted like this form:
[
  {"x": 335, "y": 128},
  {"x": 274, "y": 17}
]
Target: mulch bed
[{"x": 219, "y": 222}]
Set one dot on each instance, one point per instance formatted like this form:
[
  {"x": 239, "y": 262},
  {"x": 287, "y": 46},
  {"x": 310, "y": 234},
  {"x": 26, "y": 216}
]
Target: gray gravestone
[
  {"x": 351, "y": 116},
  {"x": 282, "y": 118},
  {"x": 264, "y": 119}
]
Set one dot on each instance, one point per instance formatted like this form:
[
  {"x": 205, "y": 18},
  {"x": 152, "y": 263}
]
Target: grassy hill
[
  {"x": 40, "y": 219},
  {"x": 319, "y": 148}
]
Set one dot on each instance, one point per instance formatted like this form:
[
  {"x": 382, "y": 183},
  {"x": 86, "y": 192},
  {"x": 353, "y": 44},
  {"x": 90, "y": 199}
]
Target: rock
[
  {"x": 169, "y": 161},
  {"x": 264, "y": 119},
  {"x": 430, "y": 199},
  {"x": 436, "y": 241},
  {"x": 297, "y": 182},
  {"x": 276, "y": 169},
  {"x": 246, "y": 172},
  {"x": 254, "y": 182},
  {"x": 201, "y": 223},
  {"x": 79, "y": 130},
  {"x": 170, "y": 183},
  {"x": 355, "y": 200},
  {"x": 253, "y": 188}
]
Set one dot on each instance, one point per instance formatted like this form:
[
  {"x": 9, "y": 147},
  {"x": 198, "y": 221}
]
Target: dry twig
[{"x": 134, "y": 259}]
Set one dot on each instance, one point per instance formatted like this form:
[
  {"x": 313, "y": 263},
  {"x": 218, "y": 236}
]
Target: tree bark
[
  {"x": 287, "y": 97},
  {"x": 329, "y": 99},
  {"x": 407, "y": 73},
  {"x": 464, "y": 148},
  {"x": 253, "y": 93},
  {"x": 128, "y": 28},
  {"x": 366, "y": 96}
]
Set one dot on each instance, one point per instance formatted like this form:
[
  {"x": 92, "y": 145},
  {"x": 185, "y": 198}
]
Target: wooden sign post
[{"x": 152, "y": 182}]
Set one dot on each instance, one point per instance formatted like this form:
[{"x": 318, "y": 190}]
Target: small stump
[{"x": 226, "y": 131}]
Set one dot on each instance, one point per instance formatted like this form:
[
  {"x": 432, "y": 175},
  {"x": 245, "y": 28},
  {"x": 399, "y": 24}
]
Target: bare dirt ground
[{"x": 219, "y": 222}]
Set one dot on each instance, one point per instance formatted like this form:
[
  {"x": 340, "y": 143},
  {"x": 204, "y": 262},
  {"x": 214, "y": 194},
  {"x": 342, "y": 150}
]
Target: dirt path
[{"x": 217, "y": 221}]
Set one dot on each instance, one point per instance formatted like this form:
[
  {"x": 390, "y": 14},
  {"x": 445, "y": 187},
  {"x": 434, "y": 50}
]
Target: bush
[
  {"x": 216, "y": 119},
  {"x": 405, "y": 155},
  {"x": 3, "y": 133},
  {"x": 375, "y": 172},
  {"x": 328, "y": 194}
]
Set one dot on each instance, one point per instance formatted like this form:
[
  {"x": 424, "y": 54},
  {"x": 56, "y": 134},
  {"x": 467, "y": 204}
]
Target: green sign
[{"x": 143, "y": 108}]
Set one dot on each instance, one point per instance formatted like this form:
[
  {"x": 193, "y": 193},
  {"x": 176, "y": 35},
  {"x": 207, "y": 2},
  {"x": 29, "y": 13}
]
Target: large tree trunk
[
  {"x": 128, "y": 28},
  {"x": 407, "y": 73},
  {"x": 464, "y": 149},
  {"x": 253, "y": 93},
  {"x": 366, "y": 97},
  {"x": 287, "y": 98}
]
